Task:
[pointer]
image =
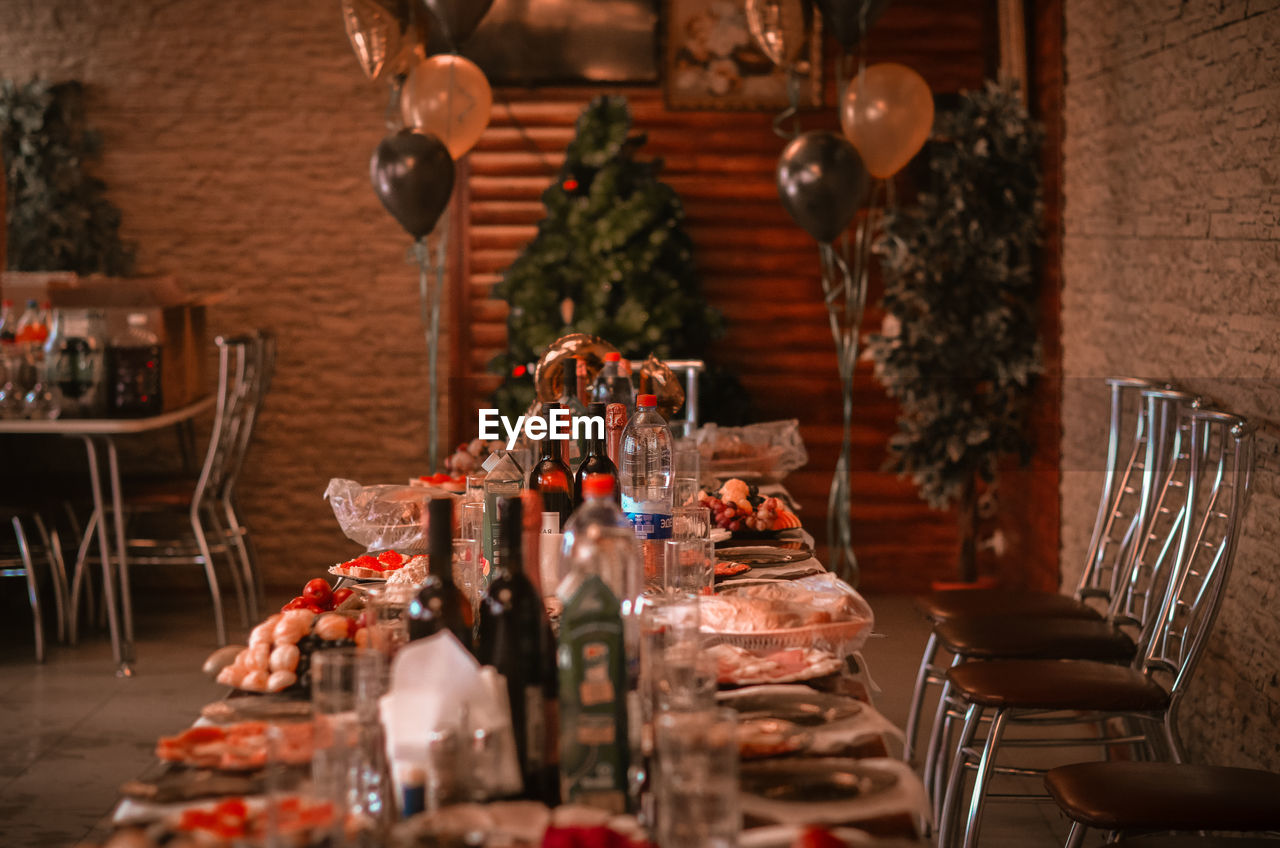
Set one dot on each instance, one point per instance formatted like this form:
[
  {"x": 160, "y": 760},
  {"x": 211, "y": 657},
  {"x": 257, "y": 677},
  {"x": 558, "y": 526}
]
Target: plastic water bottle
[
  {"x": 600, "y": 540},
  {"x": 646, "y": 473}
]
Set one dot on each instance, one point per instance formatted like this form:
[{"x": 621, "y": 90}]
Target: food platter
[{"x": 764, "y": 554}]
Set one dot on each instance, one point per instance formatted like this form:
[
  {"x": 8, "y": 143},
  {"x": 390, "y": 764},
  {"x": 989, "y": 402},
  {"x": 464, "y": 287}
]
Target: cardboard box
[{"x": 176, "y": 318}]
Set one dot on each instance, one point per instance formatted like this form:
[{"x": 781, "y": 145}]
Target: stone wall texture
[
  {"x": 1172, "y": 271},
  {"x": 237, "y": 137}
]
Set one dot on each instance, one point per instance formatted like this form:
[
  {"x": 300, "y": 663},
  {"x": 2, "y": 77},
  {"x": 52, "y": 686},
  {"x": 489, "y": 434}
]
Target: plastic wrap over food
[
  {"x": 765, "y": 451},
  {"x": 816, "y": 611},
  {"x": 383, "y": 517}
]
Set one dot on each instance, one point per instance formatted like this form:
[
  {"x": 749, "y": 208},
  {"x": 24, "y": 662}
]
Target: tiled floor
[{"x": 71, "y": 732}]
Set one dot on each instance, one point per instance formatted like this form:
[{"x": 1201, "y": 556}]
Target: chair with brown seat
[
  {"x": 1127, "y": 433},
  {"x": 206, "y": 504},
  {"x": 1135, "y": 796},
  {"x": 1201, "y": 535}
]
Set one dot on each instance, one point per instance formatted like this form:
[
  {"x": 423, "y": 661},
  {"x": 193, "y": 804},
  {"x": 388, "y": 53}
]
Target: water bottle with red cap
[{"x": 645, "y": 475}]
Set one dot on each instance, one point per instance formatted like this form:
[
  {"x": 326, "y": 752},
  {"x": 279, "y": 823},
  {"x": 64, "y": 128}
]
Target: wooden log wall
[{"x": 758, "y": 268}]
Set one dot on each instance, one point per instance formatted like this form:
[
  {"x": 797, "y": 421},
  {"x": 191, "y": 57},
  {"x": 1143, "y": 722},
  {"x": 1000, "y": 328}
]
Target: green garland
[{"x": 960, "y": 348}]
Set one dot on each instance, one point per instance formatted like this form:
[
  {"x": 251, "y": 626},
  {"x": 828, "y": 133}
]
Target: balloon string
[
  {"x": 392, "y": 117},
  {"x": 430, "y": 298},
  {"x": 792, "y": 110}
]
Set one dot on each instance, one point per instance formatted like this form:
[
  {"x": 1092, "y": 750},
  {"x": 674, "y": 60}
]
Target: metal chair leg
[
  {"x": 923, "y": 675},
  {"x": 978, "y": 800},
  {"x": 57, "y": 571},
  {"x": 210, "y": 574},
  {"x": 248, "y": 562},
  {"x": 81, "y": 578},
  {"x": 948, "y": 818},
  {"x": 1075, "y": 838},
  {"x": 233, "y": 565},
  {"x": 934, "y": 752},
  {"x": 33, "y": 589}
]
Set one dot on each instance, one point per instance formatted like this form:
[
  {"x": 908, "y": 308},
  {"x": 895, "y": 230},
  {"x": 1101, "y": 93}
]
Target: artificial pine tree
[
  {"x": 611, "y": 259},
  {"x": 960, "y": 346}
]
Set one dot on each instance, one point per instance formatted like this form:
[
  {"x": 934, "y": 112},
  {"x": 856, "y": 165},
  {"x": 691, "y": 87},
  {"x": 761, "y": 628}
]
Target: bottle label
[
  {"x": 535, "y": 728},
  {"x": 651, "y": 525}
]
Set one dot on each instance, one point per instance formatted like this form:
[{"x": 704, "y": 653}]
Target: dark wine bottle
[
  {"x": 596, "y": 459},
  {"x": 515, "y": 638},
  {"x": 550, "y": 477},
  {"x": 440, "y": 604}
]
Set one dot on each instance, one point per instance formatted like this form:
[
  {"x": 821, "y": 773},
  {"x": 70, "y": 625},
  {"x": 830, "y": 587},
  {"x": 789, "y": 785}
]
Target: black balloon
[
  {"x": 412, "y": 174},
  {"x": 849, "y": 20},
  {"x": 458, "y": 18},
  {"x": 822, "y": 182}
]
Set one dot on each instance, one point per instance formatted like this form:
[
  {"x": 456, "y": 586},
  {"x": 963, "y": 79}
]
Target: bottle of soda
[
  {"x": 611, "y": 385},
  {"x": 598, "y": 651},
  {"x": 646, "y": 476},
  {"x": 550, "y": 477},
  {"x": 134, "y": 371},
  {"x": 8, "y": 323},
  {"x": 440, "y": 604},
  {"x": 515, "y": 638},
  {"x": 596, "y": 460}
]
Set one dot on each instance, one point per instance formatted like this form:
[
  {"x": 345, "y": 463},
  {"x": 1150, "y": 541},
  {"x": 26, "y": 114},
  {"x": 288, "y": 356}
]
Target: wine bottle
[
  {"x": 551, "y": 478},
  {"x": 440, "y": 604},
  {"x": 596, "y": 460},
  {"x": 515, "y": 638}
]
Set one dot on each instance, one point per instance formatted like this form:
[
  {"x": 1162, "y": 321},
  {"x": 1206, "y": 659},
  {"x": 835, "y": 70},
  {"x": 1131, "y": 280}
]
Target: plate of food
[
  {"x": 375, "y": 568},
  {"x": 738, "y": 506},
  {"x": 760, "y": 737},
  {"x": 244, "y": 746},
  {"x": 737, "y": 666},
  {"x": 799, "y": 705},
  {"x": 765, "y": 554}
]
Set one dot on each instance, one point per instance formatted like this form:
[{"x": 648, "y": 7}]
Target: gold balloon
[
  {"x": 388, "y": 36},
  {"x": 657, "y": 379},
  {"x": 548, "y": 376},
  {"x": 887, "y": 112},
  {"x": 780, "y": 29},
  {"x": 448, "y": 96}
]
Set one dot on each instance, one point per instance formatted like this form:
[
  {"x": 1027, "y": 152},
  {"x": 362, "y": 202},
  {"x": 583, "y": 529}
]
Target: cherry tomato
[
  {"x": 318, "y": 590},
  {"x": 312, "y": 604},
  {"x": 352, "y": 627},
  {"x": 296, "y": 603},
  {"x": 340, "y": 595}
]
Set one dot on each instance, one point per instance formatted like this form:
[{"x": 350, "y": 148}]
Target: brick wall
[
  {"x": 237, "y": 137},
  {"x": 1172, "y": 270}
]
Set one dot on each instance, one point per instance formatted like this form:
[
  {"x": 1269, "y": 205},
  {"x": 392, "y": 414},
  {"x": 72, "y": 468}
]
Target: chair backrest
[
  {"x": 245, "y": 367},
  {"x": 1217, "y": 493},
  {"x": 1150, "y": 558},
  {"x": 1117, "y": 510},
  {"x": 260, "y": 366}
]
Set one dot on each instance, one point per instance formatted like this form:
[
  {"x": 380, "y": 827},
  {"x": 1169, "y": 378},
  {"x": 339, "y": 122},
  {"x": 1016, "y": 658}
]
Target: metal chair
[
  {"x": 245, "y": 366},
  {"x": 1117, "y": 514},
  {"x": 1197, "y": 523},
  {"x": 21, "y": 560}
]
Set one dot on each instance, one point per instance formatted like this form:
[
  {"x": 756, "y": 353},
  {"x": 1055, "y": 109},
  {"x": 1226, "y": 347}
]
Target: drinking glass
[
  {"x": 686, "y": 462},
  {"x": 467, "y": 571},
  {"x": 676, "y": 671},
  {"x": 690, "y": 522},
  {"x": 388, "y": 618},
  {"x": 697, "y": 778},
  {"x": 471, "y": 526},
  {"x": 689, "y": 567},
  {"x": 348, "y": 765}
]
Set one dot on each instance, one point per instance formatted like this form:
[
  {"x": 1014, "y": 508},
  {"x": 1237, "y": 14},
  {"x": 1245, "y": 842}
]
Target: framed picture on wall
[{"x": 710, "y": 61}]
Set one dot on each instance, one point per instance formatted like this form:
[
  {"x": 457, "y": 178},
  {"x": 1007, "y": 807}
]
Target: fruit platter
[{"x": 738, "y": 506}]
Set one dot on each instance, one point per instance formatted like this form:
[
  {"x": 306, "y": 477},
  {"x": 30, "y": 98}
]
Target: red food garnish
[
  {"x": 365, "y": 561},
  {"x": 390, "y": 559},
  {"x": 817, "y": 837}
]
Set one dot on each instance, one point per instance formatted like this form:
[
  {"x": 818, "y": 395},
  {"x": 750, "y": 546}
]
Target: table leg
[
  {"x": 122, "y": 559},
  {"x": 120, "y": 652}
]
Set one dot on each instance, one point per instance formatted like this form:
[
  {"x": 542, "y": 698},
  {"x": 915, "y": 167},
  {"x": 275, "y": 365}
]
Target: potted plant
[{"x": 959, "y": 348}]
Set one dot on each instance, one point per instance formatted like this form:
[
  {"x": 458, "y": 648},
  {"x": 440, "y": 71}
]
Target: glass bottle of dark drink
[
  {"x": 440, "y": 604},
  {"x": 596, "y": 460},
  {"x": 550, "y": 477},
  {"x": 515, "y": 638}
]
